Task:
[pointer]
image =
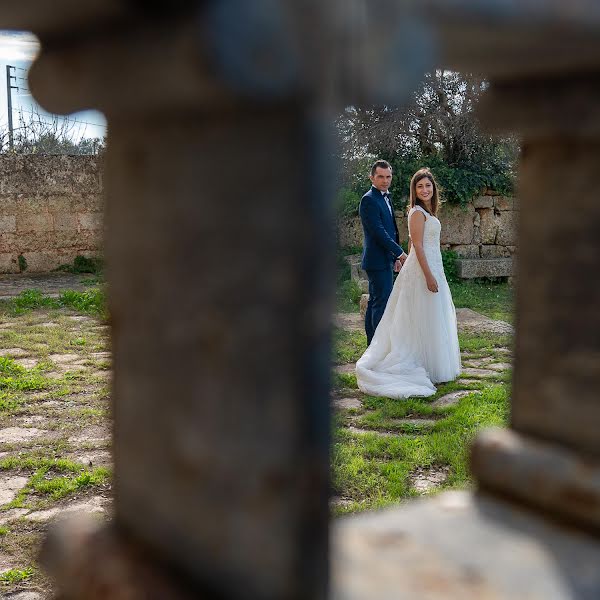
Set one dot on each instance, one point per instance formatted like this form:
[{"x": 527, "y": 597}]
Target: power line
[{"x": 68, "y": 119}]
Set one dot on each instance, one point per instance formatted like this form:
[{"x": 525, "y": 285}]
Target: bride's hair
[{"x": 414, "y": 201}]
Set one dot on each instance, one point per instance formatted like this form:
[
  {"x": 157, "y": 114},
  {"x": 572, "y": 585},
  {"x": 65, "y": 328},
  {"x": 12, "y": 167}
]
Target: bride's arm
[{"x": 416, "y": 225}]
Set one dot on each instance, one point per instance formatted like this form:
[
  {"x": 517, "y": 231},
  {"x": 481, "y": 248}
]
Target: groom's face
[{"x": 381, "y": 179}]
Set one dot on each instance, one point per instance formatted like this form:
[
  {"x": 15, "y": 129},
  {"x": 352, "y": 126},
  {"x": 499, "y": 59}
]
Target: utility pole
[{"x": 9, "y": 89}]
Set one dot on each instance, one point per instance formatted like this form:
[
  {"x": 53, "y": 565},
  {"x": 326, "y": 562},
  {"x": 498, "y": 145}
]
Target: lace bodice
[{"x": 432, "y": 229}]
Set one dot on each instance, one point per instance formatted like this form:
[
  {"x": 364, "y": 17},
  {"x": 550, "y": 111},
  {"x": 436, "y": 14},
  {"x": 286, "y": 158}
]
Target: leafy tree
[{"x": 439, "y": 129}]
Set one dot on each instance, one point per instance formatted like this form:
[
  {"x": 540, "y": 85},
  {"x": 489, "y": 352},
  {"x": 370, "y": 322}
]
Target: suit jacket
[{"x": 381, "y": 239}]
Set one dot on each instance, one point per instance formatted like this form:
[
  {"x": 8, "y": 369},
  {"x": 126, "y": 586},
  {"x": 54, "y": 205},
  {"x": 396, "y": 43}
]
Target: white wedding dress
[{"x": 416, "y": 342}]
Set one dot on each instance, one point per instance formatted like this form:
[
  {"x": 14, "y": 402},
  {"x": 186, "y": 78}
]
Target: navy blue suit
[{"x": 381, "y": 248}]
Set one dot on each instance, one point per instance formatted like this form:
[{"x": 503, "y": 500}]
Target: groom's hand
[
  {"x": 402, "y": 258},
  {"x": 397, "y": 266}
]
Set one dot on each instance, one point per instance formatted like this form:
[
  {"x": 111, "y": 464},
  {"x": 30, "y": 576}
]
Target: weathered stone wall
[
  {"x": 485, "y": 228},
  {"x": 50, "y": 210}
]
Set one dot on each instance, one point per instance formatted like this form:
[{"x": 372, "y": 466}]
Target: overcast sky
[{"x": 19, "y": 50}]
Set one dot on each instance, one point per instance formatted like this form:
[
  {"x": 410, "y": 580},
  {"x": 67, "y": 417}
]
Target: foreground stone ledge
[
  {"x": 546, "y": 475},
  {"x": 460, "y": 545},
  {"x": 94, "y": 561}
]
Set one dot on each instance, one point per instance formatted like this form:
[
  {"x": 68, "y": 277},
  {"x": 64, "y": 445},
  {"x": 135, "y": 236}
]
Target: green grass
[
  {"x": 343, "y": 380},
  {"x": 373, "y": 471},
  {"x": 495, "y": 300},
  {"x": 52, "y": 477},
  {"x": 348, "y": 295},
  {"x": 370, "y": 471},
  {"x": 16, "y": 575},
  {"x": 59, "y": 487},
  {"x": 62, "y": 404},
  {"x": 348, "y": 346},
  {"x": 91, "y": 302},
  {"x": 483, "y": 343}
]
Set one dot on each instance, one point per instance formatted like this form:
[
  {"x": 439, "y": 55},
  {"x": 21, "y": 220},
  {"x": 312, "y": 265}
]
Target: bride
[{"x": 416, "y": 342}]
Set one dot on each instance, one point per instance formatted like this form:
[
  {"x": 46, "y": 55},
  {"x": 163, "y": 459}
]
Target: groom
[{"x": 381, "y": 250}]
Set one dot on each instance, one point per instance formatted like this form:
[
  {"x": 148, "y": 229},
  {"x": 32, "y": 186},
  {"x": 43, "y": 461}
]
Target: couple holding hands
[{"x": 410, "y": 323}]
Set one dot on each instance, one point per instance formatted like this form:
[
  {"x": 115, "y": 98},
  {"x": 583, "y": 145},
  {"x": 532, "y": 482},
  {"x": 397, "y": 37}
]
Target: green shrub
[
  {"x": 83, "y": 264},
  {"x": 22, "y": 263},
  {"x": 449, "y": 261},
  {"x": 458, "y": 183}
]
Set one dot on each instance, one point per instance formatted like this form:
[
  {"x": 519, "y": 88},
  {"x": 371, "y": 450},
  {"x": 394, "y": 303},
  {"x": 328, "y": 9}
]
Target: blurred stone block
[{"x": 470, "y": 268}]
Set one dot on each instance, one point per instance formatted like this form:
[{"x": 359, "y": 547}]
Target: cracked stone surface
[
  {"x": 478, "y": 372},
  {"x": 19, "y": 434},
  {"x": 425, "y": 480},
  {"x": 13, "y": 352},
  {"x": 474, "y": 322},
  {"x": 477, "y": 363},
  {"x": 12, "y": 514},
  {"x": 349, "y": 321},
  {"x": 6, "y": 564},
  {"x": 339, "y": 501},
  {"x": 50, "y": 284},
  {"x": 346, "y": 403},
  {"x": 451, "y": 398},
  {"x": 32, "y": 419},
  {"x": 91, "y": 434},
  {"x": 358, "y": 430},
  {"x": 95, "y": 505},
  {"x": 9, "y": 488},
  {"x": 500, "y": 366},
  {"x": 26, "y": 363},
  {"x": 24, "y": 596},
  {"x": 349, "y": 368},
  {"x": 92, "y": 458},
  {"x": 421, "y": 422},
  {"x": 63, "y": 358}
]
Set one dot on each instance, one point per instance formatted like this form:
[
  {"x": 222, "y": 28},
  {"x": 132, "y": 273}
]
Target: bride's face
[{"x": 424, "y": 189}]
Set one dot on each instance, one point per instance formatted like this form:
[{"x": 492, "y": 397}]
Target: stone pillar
[
  {"x": 220, "y": 310},
  {"x": 551, "y": 459},
  {"x": 220, "y": 273}
]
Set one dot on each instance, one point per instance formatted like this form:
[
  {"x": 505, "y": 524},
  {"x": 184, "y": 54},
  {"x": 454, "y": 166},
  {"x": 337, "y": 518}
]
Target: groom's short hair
[{"x": 382, "y": 164}]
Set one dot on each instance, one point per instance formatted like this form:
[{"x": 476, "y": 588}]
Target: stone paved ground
[
  {"x": 55, "y": 440},
  {"x": 51, "y": 284},
  {"x": 468, "y": 320},
  {"x": 55, "y": 428},
  {"x": 479, "y": 368}
]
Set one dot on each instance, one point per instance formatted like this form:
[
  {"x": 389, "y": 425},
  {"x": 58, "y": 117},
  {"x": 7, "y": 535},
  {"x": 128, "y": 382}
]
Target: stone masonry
[
  {"x": 483, "y": 234},
  {"x": 50, "y": 210}
]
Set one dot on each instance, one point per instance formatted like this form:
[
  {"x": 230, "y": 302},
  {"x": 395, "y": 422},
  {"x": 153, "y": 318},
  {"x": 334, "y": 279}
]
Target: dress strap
[{"x": 419, "y": 209}]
